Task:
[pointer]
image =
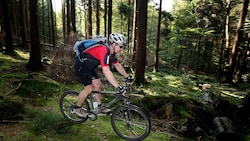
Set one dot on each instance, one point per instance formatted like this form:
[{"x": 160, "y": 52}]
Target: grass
[{"x": 29, "y": 103}]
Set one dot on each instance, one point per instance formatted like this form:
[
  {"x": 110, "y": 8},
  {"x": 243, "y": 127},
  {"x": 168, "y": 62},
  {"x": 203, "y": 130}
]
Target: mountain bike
[{"x": 128, "y": 121}]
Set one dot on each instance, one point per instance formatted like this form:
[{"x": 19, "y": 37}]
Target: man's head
[
  {"x": 118, "y": 39},
  {"x": 117, "y": 42}
]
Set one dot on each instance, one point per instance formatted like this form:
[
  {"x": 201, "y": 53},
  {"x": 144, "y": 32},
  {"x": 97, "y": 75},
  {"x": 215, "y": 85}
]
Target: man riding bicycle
[{"x": 86, "y": 71}]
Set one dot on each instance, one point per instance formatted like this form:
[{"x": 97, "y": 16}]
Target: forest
[{"x": 190, "y": 63}]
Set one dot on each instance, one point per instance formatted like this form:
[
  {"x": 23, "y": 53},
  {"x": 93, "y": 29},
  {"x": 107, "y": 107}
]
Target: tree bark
[
  {"x": 158, "y": 40},
  {"x": 34, "y": 63},
  {"x": 134, "y": 34},
  {"x": 97, "y": 17},
  {"x": 7, "y": 28},
  {"x": 109, "y": 16},
  {"x": 68, "y": 17},
  {"x": 238, "y": 38},
  {"x": 23, "y": 25},
  {"x": 140, "y": 60},
  {"x": 73, "y": 16},
  {"x": 63, "y": 20},
  {"x": 105, "y": 18},
  {"x": 128, "y": 32},
  {"x": 89, "y": 19},
  {"x": 52, "y": 25}
]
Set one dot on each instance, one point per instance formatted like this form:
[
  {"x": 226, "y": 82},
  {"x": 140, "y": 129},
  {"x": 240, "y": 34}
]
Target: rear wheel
[
  {"x": 130, "y": 123},
  {"x": 68, "y": 102}
]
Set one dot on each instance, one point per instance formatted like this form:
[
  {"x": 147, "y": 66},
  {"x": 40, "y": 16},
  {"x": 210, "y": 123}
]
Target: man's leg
[
  {"x": 83, "y": 94},
  {"x": 97, "y": 87},
  {"x": 81, "y": 97}
]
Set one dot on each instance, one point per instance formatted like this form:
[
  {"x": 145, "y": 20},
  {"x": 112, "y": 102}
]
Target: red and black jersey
[{"x": 99, "y": 55}]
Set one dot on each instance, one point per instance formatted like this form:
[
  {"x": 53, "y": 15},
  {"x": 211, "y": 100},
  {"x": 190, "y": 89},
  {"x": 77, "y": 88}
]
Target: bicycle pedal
[{"x": 92, "y": 116}]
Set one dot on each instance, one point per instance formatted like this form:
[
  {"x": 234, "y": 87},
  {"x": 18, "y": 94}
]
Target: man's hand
[
  {"x": 128, "y": 79},
  {"x": 121, "y": 90}
]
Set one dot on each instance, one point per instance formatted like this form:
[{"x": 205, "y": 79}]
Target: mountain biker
[{"x": 102, "y": 55}]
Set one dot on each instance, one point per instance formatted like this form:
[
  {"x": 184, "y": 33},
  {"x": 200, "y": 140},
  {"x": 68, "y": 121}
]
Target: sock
[{"x": 77, "y": 106}]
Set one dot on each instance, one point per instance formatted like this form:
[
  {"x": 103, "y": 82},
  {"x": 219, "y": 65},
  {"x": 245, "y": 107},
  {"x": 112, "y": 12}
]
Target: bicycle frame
[{"x": 118, "y": 97}]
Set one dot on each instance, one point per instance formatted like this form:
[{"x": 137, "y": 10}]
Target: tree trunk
[
  {"x": 225, "y": 41},
  {"x": 43, "y": 22},
  {"x": 109, "y": 17},
  {"x": 158, "y": 40},
  {"x": 179, "y": 56},
  {"x": 238, "y": 38},
  {"x": 97, "y": 17},
  {"x": 23, "y": 25},
  {"x": 134, "y": 40},
  {"x": 15, "y": 19},
  {"x": 34, "y": 63},
  {"x": 89, "y": 19},
  {"x": 85, "y": 18},
  {"x": 7, "y": 28},
  {"x": 68, "y": 17},
  {"x": 63, "y": 20},
  {"x": 52, "y": 23},
  {"x": 73, "y": 15},
  {"x": 140, "y": 60},
  {"x": 105, "y": 18},
  {"x": 128, "y": 32}
]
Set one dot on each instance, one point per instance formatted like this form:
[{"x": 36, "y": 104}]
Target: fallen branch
[
  {"x": 14, "y": 89},
  {"x": 14, "y": 121}
]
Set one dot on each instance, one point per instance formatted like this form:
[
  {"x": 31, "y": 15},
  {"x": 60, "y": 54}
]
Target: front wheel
[
  {"x": 130, "y": 123},
  {"x": 67, "y": 103}
]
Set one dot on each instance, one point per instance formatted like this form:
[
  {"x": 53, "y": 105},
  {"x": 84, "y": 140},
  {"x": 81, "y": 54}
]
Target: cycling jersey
[
  {"x": 102, "y": 54},
  {"x": 93, "y": 57}
]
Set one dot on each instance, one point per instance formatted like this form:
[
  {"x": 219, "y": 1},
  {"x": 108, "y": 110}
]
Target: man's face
[{"x": 118, "y": 48}]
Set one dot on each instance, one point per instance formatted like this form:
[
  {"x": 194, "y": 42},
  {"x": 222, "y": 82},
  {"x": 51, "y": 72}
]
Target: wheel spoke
[
  {"x": 67, "y": 103},
  {"x": 130, "y": 123}
]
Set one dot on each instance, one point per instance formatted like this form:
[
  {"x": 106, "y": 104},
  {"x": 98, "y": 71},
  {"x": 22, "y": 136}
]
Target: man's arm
[
  {"x": 109, "y": 76},
  {"x": 120, "y": 69}
]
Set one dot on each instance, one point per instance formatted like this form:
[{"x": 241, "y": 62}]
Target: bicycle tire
[
  {"x": 135, "y": 127},
  {"x": 67, "y": 102}
]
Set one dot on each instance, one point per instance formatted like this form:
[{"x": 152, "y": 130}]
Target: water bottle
[{"x": 95, "y": 104}]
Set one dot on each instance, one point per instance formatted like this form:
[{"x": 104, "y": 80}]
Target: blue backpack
[{"x": 84, "y": 45}]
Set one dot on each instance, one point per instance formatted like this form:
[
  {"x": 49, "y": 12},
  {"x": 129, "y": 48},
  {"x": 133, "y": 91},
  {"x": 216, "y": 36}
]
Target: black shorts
[{"x": 85, "y": 73}]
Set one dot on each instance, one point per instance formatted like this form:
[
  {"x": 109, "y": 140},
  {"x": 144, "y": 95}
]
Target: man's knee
[{"x": 97, "y": 84}]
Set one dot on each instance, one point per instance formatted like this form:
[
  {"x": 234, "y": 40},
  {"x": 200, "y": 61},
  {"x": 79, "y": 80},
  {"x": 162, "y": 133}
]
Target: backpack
[{"x": 84, "y": 45}]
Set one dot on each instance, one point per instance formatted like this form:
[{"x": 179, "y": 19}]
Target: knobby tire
[
  {"x": 131, "y": 123},
  {"x": 67, "y": 102}
]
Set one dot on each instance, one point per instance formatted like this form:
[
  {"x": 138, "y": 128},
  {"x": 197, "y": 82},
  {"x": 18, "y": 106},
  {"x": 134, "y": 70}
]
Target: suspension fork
[{"x": 127, "y": 113}]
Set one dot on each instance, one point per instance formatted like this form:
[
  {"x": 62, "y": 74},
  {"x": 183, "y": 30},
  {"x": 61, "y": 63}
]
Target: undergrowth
[{"x": 32, "y": 99}]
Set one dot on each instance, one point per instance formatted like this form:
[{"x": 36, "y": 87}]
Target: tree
[
  {"x": 63, "y": 19},
  {"x": 109, "y": 16},
  {"x": 51, "y": 22},
  {"x": 226, "y": 35},
  {"x": 7, "y": 28},
  {"x": 134, "y": 34},
  {"x": 73, "y": 15},
  {"x": 158, "y": 40},
  {"x": 68, "y": 17},
  {"x": 238, "y": 37},
  {"x": 23, "y": 25},
  {"x": 89, "y": 19},
  {"x": 97, "y": 17},
  {"x": 140, "y": 59},
  {"x": 34, "y": 63}
]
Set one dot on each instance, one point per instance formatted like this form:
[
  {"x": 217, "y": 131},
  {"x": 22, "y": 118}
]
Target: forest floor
[{"x": 182, "y": 107}]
